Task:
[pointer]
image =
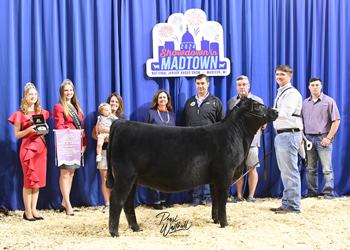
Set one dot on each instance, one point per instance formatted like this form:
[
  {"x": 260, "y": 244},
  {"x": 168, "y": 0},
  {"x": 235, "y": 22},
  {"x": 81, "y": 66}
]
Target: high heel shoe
[
  {"x": 72, "y": 214},
  {"x": 26, "y": 218},
  {"x": 62, "y": 208}
]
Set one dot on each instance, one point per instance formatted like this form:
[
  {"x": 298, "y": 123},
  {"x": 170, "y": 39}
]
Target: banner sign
[
  {"x": 188, "y": 45},
  {"x": 68, "y": 145}
]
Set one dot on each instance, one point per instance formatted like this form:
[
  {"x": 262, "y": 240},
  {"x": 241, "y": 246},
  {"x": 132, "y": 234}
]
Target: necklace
[{"x": 167, "y": 112}]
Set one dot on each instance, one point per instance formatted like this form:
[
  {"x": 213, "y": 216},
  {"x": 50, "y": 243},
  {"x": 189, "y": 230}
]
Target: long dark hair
[
  {"x": 155, "y": 100},
  {"x": 120, "y": 110}
]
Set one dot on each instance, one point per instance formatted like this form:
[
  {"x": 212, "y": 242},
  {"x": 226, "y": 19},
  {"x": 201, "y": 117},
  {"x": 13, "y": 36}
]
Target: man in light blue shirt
[{"x": 288, "y": 127}]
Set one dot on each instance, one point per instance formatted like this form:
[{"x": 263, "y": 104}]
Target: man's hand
[{"x": 325, "y": 142}]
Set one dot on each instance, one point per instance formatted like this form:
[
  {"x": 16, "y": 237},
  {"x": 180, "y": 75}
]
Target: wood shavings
[{"x": 323, "y": 224}]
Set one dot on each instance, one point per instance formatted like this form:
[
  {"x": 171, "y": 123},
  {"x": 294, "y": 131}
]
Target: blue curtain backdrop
[{"x": 103, "y": 46}]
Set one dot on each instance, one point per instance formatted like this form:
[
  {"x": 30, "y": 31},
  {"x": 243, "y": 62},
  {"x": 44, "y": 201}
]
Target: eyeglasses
[{"x": 242, "y": 85}]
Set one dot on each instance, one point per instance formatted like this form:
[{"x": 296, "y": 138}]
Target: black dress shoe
[
  {"x": 72, "y": 214},
  {"x": 165, "y": 204},
  {"x": 62, "y": 208},
  {"x": 26, "y": 218},
  {"x": 38, "y": 218},
  {"x": 157, "y": 206}
]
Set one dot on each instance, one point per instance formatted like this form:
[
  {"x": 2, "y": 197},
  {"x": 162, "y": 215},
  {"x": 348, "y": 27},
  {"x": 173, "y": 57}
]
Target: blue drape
[{"x": 103, "y": 46}]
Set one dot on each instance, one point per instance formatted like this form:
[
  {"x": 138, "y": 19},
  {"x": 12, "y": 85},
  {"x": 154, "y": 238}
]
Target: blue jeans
[
  {"x": 198, "y": 192},
  {"x": 287, "y": 146},
  {"x": 158, "y": 196},
  {"x": 325, "y": 155}
]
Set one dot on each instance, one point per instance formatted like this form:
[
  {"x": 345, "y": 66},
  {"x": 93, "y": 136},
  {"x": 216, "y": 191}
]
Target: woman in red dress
[
  {"x": 33, "y": 153},
  {"x": 68, "y": 115}
]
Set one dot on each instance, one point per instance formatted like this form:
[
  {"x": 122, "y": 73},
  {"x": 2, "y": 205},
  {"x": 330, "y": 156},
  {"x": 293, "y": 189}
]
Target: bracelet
[{"x": 328, "y": 138}]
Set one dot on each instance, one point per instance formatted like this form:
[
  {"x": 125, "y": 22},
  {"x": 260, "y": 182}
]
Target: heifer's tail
[{"x": 110, "y": 178}]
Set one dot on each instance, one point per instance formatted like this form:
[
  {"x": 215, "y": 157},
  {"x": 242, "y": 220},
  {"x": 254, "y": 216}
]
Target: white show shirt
[{"x": 288, "y": 103}]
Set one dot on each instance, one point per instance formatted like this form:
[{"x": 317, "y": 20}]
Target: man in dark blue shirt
[{"x": 202, "y": 109}]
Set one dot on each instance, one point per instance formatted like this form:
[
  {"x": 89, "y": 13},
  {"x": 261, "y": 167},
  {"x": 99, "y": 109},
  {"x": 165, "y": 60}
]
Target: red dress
[{"x": 33, "y": 153}]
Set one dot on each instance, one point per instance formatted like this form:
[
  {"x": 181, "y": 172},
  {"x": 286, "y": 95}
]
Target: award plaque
[{"x": 39, "y": 122}]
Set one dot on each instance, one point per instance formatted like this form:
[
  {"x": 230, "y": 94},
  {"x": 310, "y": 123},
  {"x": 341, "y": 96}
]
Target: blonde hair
[
  {"x": 102, "y": 105},
  {"x": 63, "y": 100},
  {"x": 25, "y": 101}
]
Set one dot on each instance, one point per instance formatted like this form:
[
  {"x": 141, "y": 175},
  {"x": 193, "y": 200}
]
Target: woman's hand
[
  {"x": 103, "y": 129},
  {"x": 48, "y": 129},
  {"x": 83, "y": 150},
  {"x": 19, "y": 133},
  {"x": 31, "y": 129}
]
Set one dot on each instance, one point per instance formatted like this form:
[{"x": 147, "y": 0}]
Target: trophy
[{"x": 41, "y": 126}]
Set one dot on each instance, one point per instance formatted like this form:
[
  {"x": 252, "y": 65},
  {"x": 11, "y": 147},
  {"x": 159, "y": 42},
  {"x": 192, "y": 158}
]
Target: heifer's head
[{"x": 257, "y": 110}]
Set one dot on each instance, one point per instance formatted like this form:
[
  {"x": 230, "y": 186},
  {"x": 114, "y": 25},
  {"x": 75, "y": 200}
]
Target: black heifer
[{"x": 172, "y": 159}]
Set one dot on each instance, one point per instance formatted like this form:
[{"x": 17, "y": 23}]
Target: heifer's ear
[{"x": 244, "y": 103}]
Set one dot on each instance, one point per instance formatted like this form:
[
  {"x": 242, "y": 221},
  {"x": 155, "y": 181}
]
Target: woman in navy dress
[{"x": 161, "y": 113}]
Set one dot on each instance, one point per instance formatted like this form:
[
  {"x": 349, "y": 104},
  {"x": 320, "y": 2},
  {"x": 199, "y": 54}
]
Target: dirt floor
[{"x": 323, "y": 224}]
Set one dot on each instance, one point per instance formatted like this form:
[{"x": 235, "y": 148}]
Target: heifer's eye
[{"x": 256, "y": 107}]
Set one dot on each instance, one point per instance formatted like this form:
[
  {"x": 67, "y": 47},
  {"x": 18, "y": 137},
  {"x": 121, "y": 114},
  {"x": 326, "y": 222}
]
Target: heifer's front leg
[
  {"x": 119, "y": 195},
  {"x": 222, "y": 194},
  {"x": 214, "y": 208},
  {"x": 129, "y": 209}
]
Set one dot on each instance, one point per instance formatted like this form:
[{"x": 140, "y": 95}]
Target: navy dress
[{"x": 154, "y": 118}]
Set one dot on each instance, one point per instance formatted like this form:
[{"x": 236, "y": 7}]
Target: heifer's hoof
[
  {"x": 216, "y": 221},
  {"x": 136, "y": 228},
  {"x": 225, "y": 224},
  {"x": 114, "y": 234}
]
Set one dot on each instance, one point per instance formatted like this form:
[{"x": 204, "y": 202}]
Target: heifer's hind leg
[
  {"x": 214, "y": 208},
  {"x": 129, "y": 209},
  {"x": 119, "y": 194},
  {"x": 114, "y": 213}
]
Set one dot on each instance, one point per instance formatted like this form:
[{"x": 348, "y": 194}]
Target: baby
[{"x": 106, "y": 120}]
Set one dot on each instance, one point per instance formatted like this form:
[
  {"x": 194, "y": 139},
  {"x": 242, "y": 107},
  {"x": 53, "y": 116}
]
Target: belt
[
  {"x": 287, "y": 130},
  {"x": 317, "y": 134}
]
